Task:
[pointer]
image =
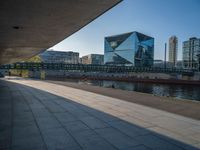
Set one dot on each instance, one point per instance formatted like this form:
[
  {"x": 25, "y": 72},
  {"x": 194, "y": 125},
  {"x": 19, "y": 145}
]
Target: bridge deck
[
  {"x": 40, "y": 115},
  {"x": 94, "y": 68}
]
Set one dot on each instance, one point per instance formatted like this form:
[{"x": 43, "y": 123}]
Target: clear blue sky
[{"x": 157, "y": 18}]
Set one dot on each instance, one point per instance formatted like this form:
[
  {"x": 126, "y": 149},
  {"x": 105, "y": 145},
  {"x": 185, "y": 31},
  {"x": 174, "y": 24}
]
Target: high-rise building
[
  {"x": 173, "y": 50},
  {"x": 96, "y": 59},
  {"x": 158, "y": 63},
  {"x": 132, "y": 48},
  {"x": 51, "y": 56},
  {"x": 191, "y": 50},
  {"x": 198, "y": 56}
]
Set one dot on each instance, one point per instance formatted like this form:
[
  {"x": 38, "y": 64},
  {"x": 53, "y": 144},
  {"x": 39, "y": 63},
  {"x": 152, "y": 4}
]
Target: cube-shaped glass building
[{"x": 132, "y": 48}]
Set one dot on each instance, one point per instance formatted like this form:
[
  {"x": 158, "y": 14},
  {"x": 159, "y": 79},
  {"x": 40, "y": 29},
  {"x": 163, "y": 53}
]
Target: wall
[{"x": 65, "y": 74}]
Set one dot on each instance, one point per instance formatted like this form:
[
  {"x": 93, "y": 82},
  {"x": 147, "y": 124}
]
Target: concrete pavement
[
  {"x": 183, "y": 107},
  {"x": 41, "y": 115}
]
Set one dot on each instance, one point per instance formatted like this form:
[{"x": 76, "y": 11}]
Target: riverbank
[
  {"x": 124, "y": 78},
  {"x": 181, "y": 107}
]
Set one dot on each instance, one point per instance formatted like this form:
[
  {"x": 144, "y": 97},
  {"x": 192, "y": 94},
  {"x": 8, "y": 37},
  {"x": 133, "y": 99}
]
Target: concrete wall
[{"x": 66, "y": 74}]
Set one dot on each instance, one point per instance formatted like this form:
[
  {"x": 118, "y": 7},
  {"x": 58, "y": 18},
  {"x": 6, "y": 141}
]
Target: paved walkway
[
  {"x": 37, "y": 115},
  {"x": 187, "y": 108}
]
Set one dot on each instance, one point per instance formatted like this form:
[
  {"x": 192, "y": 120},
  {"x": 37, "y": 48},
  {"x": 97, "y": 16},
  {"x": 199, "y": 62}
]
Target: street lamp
[{"x": 198, "y": 61}]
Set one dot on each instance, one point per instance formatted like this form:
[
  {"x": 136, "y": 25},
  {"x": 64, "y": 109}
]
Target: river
[{"x": 190, "y": 92}]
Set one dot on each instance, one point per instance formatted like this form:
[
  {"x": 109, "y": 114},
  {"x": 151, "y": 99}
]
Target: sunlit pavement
[{"x": 38, "y": 115}]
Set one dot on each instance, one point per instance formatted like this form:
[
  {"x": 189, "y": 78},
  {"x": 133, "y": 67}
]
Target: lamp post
[
  {"x": 198, "y": 61},
  {"x": 165, "y": 61}
]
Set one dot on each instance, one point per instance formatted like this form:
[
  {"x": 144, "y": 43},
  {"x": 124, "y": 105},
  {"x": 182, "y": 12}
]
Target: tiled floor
[{"x": 38, "y": 115}]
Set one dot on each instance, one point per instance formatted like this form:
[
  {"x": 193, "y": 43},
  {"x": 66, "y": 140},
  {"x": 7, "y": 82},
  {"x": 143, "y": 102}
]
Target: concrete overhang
[{"x": 28, "y": 27}]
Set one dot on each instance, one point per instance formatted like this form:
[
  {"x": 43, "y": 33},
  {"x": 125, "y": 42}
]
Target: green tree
[{"x": 36, "y": 59}]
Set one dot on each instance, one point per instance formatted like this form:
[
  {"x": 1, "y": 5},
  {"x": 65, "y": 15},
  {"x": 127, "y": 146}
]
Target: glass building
[
  {"x": 132, "y": 48},
  {"x": 191, "y": 50},
  {"x": 95, "y": 59},
  {"x": 52, "y": 56}
]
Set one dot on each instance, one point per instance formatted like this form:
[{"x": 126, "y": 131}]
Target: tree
[{"x": 35, "y": 59}]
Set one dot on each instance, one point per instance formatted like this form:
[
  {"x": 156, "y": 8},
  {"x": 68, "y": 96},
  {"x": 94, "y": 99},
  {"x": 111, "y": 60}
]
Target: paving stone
[
  {"x": 138, "y": 122},
  {"x": 194, "y": 147},
  {"x": 182, "y": 141},
  {"x": 53, "y": 107},
  {"x": 29, "y": 148},
  {"x": 41, "y": 112},
  {"x": 79, "y": 113},
  {"x": 23, "y": 120},
  {"x": 76, "y": 126},
  {"x": 89, "y": 140},
  {"x": 5, "y": 122},
  {"x": 20, "y": 110},
  {"x": 196, "y": 137},
  {"x": 45, "y": 123},
  {"x": 102, "y": 116},
  {"x": 32, "y": 142},
  {"x": 140, "y": 147},
  {"x": 94, "y": 123},
  {"x": 59, "y": 139},
  {"x": 129, "y": 129},
  {"x": 68, "y": 106},
  {"x": 31, "y": 100},
  {"x": 171, "y": 123},
  {"x": 5, "y": 138},
  {"x": 5, "y": 142},
  {"x": 5, "y": 133},
  {"x": 25, "y": 131},
  {"x": 65, "y": 117},
  {"x": 155, "y": 142},
  {"x": 37, "y": 106},
  {"x": 60, "y": 101},
  {"x": 117, "y": 138}
]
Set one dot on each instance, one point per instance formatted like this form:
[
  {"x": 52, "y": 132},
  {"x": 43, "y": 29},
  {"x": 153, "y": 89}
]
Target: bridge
[
  {"x": 93, "y": 68},
  {"x": 30, "y": 27}
]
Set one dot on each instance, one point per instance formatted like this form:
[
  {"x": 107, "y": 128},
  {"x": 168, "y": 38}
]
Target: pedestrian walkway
[{"x": 36, "y": 115}]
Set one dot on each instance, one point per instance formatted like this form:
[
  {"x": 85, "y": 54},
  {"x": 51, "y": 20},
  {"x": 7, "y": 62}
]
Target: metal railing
[{"x": 93, "y": 68}]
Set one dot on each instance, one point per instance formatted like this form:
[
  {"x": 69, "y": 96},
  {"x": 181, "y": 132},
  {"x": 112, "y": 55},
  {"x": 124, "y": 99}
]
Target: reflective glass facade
[
  {"x": 95, "y": 59},
  {"x": 191, "y": 52},
  {"x": 60, "y": 57},
  {"x": 132, "y": 48}
]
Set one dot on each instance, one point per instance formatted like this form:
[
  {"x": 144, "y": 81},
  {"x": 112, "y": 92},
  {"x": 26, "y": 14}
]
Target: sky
[{"x": 157, "y": 18}]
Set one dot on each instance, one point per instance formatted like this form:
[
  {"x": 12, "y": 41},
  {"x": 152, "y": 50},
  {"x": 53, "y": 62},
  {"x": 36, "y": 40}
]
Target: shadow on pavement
[{"x": 35, "y": 119}]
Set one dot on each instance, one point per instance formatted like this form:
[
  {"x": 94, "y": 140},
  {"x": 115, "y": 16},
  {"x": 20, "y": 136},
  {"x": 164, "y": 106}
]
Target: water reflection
[{"x": 191, "y": 92}]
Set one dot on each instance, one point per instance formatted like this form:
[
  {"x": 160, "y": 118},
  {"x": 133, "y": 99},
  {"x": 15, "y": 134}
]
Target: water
[{"x": 190, "y": 92}]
